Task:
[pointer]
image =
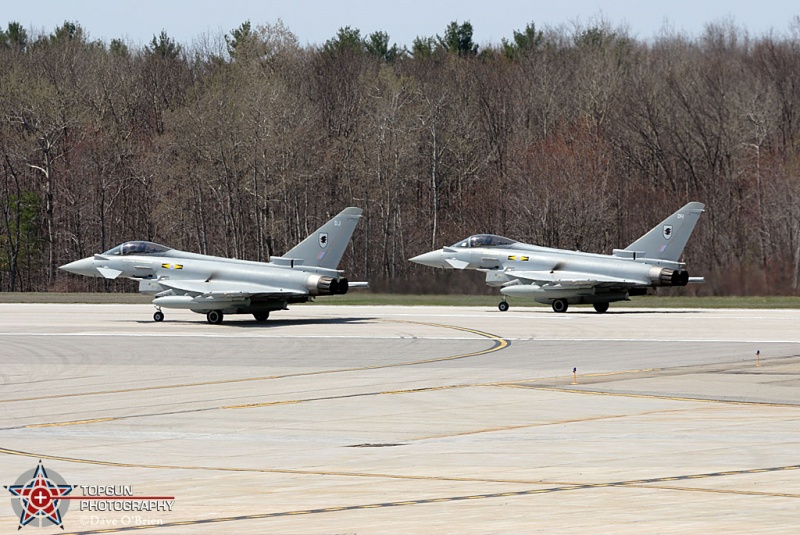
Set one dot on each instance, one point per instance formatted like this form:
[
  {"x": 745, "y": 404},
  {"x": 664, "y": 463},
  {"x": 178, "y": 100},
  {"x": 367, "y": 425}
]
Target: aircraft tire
[
  {"x": 158, "y": 316},
  {"x": 503, "y": 306},
  {"x": 560, "y": 305},
  {"x": 214, "y": 317},
  {"x": 261, "y": 316},
  {"x": 600, "y": 307}
]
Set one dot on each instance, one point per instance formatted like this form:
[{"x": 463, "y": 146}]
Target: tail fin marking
[
  {"x": 667, "y": 240},
  {"x": 325, "y": 246}
]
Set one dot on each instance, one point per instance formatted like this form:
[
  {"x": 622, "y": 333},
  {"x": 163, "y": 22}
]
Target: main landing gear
[
  {"x": 214, "y": 317},
  {"x": 560, "y": 305},
  {"x": 601, "y": 307}
]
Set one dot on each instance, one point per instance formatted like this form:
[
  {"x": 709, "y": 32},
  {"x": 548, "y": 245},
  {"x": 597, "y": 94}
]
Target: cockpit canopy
[
  {"x": 485, "y": 240},
  {"x": 136, "y": 247}
]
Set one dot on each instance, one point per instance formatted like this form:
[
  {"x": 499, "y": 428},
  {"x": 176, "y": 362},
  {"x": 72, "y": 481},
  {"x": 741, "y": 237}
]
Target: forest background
[{"x": 242, "y": 144}]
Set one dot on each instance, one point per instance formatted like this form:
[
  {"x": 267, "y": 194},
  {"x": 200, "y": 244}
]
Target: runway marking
[
  {"x": 77, "y": 460},
  {"x": 238, "y": 337},
  {"x": 637, "y": 483},
  {"x": 394, "y": 337},
  {"x": 74, "y": 422},
  {"x": 499, "y": 344},
  {"x": 720, "y": 491},
  {"x": 658, "y": 340},
  {"x": 367, "y": 394},
  {"x": 243, "y": 406},
  {"x": 655, "y": 396},
  {"x": 549, "y": 423},
  {"x": 514, "y": 384},
  {"x": 706, "y": 475},
  {"x": 266, "y": 404},
  {"x": 346, "y": 396}
]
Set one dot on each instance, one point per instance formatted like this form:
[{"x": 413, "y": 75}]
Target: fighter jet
[
  {"x": 216, "y": 286},
  {"x": 561, "y": 278}
]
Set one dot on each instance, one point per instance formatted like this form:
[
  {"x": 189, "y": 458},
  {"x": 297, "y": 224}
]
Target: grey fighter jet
[
  {"x": 561, "y": 278},
  {"x": 215, "y": 286}
]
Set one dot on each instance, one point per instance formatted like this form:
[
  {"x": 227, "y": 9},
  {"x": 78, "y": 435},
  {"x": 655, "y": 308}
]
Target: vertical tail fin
[
  {"x": 325, "y": 246},
  {"x": 667, "y": 239}
]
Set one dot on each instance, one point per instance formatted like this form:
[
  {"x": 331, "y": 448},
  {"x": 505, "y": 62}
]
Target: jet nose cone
[
  {"x": 432, "y": 259},
  {"x": 82, "y": 267}
]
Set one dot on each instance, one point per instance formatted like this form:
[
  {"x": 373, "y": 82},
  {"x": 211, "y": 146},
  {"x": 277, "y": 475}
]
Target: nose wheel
[
  {"x": 503, "y": 306},
  {"x": 158, "y": 316}
]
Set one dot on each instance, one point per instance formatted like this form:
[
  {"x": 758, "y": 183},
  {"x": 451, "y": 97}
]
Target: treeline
[{"x": 240, "y": 145}]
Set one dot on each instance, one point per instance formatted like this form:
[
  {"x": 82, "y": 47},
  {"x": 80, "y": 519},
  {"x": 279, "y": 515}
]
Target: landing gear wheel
[
  {"x": 158, "y": 316},
  {"x": 261, "y": 316},
  {"x": 560, "y": 305},
  {"x": 214, "y": 317},
  {"x": 601, "y": 307},
  {"x": 503, "y": 306}
]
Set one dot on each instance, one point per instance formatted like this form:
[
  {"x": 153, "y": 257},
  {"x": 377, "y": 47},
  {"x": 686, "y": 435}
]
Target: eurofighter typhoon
[
  {"x": 216, "y": 286},
  {"x": 560, "y": 278}
]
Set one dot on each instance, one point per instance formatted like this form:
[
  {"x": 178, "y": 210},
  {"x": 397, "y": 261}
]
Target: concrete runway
[{"x": 332, "y": 419}]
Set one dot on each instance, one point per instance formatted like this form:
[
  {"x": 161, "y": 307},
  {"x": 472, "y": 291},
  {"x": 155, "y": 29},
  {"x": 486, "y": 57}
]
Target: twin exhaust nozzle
[{"x": 321, "y": 285}]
